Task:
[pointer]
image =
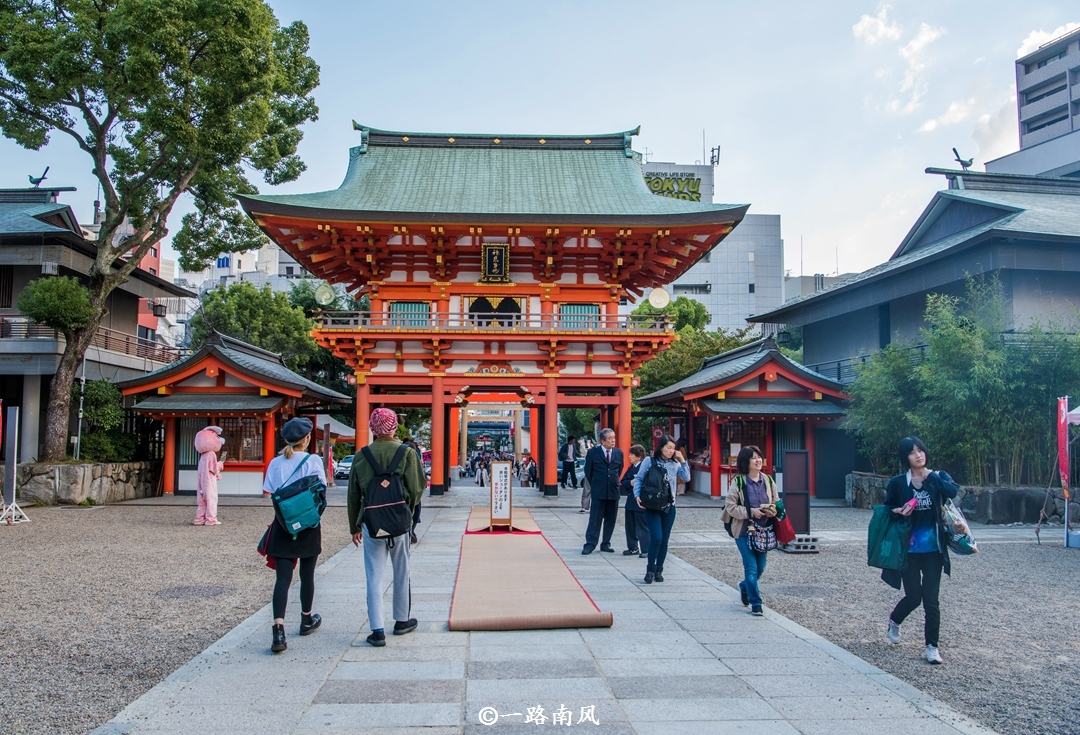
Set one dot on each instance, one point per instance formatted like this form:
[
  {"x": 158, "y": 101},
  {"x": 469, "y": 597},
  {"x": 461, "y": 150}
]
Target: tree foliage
[
  {"x": 257, "y": 316},
  {"x": 165, "y": 98},
  {"x": 980, "y": 394},
  {"x": 60, "y": 302},
  {"x": 103, "y": 406},
  {"x": 684, "y": 312}
]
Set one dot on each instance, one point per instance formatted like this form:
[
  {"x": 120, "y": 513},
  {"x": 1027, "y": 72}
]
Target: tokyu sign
[{"x": 677, "y": 181}]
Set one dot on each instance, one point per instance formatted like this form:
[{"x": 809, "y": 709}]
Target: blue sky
[{"x": 826, "y": 113}]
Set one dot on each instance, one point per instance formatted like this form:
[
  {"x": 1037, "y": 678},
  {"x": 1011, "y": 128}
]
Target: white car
[{"x": 342, "y": 468}]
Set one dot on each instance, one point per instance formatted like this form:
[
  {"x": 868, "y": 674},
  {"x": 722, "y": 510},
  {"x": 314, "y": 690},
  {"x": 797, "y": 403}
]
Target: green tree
[
  {"x": 61, "y": 303},
  {"x": 683, "y": 311},
  {"x": 884, "y": 404},
  {"x": 165, "y": 99},
  {"x": 257, "y": 316},
  {"x": 103, "y": 406}
]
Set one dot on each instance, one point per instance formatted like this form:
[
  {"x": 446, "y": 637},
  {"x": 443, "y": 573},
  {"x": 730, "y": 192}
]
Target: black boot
[
  {"x": 279, "y": 644},
  {"x": 650, "y": 575},
  {"x": 659, "y": 574}
]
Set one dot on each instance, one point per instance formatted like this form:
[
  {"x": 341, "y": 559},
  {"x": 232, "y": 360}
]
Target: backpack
[
  {"x": 386, "y": 514},
  {"x": 656, "y": 488},
  {"x": 299, "y": 505}
]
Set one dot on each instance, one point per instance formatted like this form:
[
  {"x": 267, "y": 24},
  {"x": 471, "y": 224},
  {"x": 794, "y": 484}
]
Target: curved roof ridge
[{"x": 501, "y": 136}]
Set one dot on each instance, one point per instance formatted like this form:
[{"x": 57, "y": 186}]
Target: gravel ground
[
  {"x": 100, "y": 604},
  {"x": 1009, "y": 632}
]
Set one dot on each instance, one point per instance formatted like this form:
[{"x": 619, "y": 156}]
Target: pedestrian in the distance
[
  {"x": 208, "y": 443},
  {"x": 395, "y": 549},
  {"x": 637, "y": 532},
  {"x": 603, "y": 468},
  {"x": 294, "y": 463},
  {"x": 918, "y": 494},
  {"x": 752, "y": 495},
  {"x": 660, "y": 522}
]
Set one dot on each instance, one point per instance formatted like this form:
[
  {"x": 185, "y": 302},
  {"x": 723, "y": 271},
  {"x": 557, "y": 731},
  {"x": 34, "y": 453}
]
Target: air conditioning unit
[{"x": 49, "y": 268}]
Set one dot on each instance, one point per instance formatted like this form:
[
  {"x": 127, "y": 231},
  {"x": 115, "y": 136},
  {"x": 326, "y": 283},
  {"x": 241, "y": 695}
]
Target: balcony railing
[
  {"x": 106, "y": 339},
  {"x": 465, "y": 322}
]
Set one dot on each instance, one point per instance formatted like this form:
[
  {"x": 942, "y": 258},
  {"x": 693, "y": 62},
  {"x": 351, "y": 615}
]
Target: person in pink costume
[{"x": 208, "y": 443}]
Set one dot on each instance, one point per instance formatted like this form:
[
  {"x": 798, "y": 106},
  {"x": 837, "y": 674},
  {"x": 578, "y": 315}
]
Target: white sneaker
[
  {"x": 933, "y": 656},
  {"x": 894, "y": 631}
]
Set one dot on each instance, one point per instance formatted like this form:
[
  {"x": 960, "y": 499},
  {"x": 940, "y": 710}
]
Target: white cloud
[
  {"x": 877, "y": 28},
  {"x": 958, "y": 112},
  {"x": 1038, "y": 38},
  {"x": 914, "y": 53},
  {"x": 995, "y": 133}
]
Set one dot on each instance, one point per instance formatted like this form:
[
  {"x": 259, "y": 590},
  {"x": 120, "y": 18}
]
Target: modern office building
[
  {"x": 745, "y": 275},
  {"x": 1048, "y": 111}
]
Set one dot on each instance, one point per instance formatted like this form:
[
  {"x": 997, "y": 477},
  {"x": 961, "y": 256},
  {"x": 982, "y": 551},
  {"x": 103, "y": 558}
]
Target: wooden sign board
[{"x": 501, "y": 493}]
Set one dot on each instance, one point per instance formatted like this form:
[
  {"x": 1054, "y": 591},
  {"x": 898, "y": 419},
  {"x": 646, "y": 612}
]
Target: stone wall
[
  {"x": 72, "y": 484},
  {"x": 999, "y": 505}
]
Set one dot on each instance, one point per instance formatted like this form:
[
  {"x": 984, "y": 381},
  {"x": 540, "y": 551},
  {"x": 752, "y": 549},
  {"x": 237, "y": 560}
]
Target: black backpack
[
  {"x": 386, "y": 514},
  {"x": 656, "y": 488}
]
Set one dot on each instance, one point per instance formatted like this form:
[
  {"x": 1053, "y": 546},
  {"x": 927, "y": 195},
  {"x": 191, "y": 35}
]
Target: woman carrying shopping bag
[
  {"x": 917, "y": 494},
  {"x": 748, "y": 513}
]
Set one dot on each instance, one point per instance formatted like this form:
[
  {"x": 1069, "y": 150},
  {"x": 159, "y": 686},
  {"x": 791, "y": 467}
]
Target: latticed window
[
  {"x": 7, "y": 274},
  {"x": 243, "y": 439},
  {"x": 579, "y": 316},
  {"x": 743, "y": 433},
  {"x": 409, "y": 313}
]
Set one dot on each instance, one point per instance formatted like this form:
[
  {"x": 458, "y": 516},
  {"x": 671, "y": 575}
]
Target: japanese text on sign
[{"x": 500, "y": 491}]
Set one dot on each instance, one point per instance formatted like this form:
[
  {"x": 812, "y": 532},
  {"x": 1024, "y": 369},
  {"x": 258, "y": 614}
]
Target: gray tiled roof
[
  {"x": 775, "y": 407},
  {"x": 21, "y": 218},
  {"x": 210, "y": 402},
  {"x": 424, "y": 173},
  {"x": 252, "y": 359},
  {"x": 1027, "y": 213},
  {"x": 730, "y": 365}
]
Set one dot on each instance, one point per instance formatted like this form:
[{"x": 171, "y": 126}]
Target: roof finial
[
  {"x": 36, "y": 181},
  {"x": 963, "y": 164}
]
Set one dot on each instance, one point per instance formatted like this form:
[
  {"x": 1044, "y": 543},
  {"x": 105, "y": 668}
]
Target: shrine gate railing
[{"x": 488, "y": 321}]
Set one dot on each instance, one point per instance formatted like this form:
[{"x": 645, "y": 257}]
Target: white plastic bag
[{"x": 960, "y": 539}]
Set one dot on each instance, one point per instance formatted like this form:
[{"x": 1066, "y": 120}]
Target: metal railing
[
  {"x": 106, "y": 339},
  {"x": 466, "y": 322}
]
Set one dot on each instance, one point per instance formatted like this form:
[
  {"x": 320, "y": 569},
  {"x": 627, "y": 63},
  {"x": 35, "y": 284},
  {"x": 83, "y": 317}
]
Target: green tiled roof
[
  {"x": 728, "y": 366},
  {"x": 764, "y": 407},
  {"x": 21, "y": 218},
  {"x": 210, "y": 402},
  {"x": 563, "y": 177}
]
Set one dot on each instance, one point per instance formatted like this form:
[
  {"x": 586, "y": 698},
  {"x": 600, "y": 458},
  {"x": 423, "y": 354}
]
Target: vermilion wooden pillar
[
  {"x": 455, "y": 433},
  {"x": 438, "y": 437},
  {"x": 622, "y": 426},
  {"x": 551, "y": 438},
  {"x": 716, "y": 450},
  {"x": 534, "y": 433},
  {"x": 268, "y": 441},
  {"x": 169, "y": 463},
  {"x": 811, "y": 452},
  {"x": 363, "y": 411}
]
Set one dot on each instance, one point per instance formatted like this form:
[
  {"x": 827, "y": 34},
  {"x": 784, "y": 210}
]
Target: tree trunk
[{"x": 58, "y": 414}]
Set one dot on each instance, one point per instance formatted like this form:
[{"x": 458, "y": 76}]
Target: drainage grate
[
  {"x": 191, "y": 592},
  {"x": 805, "y": 591}
]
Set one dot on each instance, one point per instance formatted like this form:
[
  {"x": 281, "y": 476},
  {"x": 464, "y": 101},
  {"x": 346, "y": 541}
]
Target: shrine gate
[{"x": 494, "y": 266}]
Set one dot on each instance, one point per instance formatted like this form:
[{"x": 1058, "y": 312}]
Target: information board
[{"x": 501, "y": 493}]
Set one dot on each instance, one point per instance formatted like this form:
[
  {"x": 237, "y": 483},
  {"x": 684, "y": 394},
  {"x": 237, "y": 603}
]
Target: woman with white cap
[
  {"x": 208, "y": 443},
  {"x": 289, "y": 466}
]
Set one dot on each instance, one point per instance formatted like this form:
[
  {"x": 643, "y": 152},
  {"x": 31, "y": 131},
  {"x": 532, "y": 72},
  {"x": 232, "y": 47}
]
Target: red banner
[{"x": 1063, "y": 444}]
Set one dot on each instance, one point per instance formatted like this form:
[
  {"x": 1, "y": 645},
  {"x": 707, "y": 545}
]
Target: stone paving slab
[{"x": 682, "y": 657}]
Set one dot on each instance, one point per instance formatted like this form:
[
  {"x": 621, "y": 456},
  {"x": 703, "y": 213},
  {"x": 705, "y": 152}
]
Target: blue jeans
[
  {"x": 753, "y": 564},
  {"x": 659, "y": 524}
]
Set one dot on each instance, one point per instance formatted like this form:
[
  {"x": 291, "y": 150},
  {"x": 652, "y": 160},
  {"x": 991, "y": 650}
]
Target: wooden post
[
  {"x": 551, "y": 438},
  {"x": 438, "y": 437},
  {"x": 455, "y": 435},
  {"x": 622, "y": 426},
  {"x": 363, "y": 411},
  {"x": 716, "y": 450},
  {"x": 169, "y": 464},
  {"x": 268, "y": 441},
  {"x": 463, "y": 440},
  {"x": 811, "y": 452}
]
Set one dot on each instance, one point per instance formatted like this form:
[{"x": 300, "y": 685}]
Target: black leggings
[
  {"x": 922, "y": 582},
  {"x": 284, "y": 581}
]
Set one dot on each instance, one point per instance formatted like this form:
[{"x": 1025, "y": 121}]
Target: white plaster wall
[
  {"x": 603, "y": 368},
  {"x": 574, "y": 368},
  {"x": 414, "y": 366}
]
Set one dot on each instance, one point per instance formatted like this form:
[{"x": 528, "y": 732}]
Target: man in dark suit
[{"x": 603, "y": 468}]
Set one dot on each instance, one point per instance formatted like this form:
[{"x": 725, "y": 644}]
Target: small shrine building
[
  {"x": 752, "y": 395},
  {"x": 494, "y": 266},
  {"x": 245, "y": 390}
]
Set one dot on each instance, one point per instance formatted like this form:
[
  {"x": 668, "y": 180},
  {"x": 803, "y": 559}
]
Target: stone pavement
[{"x": 683, "y": 657}]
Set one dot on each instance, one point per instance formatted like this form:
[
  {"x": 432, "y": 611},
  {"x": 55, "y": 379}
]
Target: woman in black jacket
[{"x": 918, "y": 494}]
